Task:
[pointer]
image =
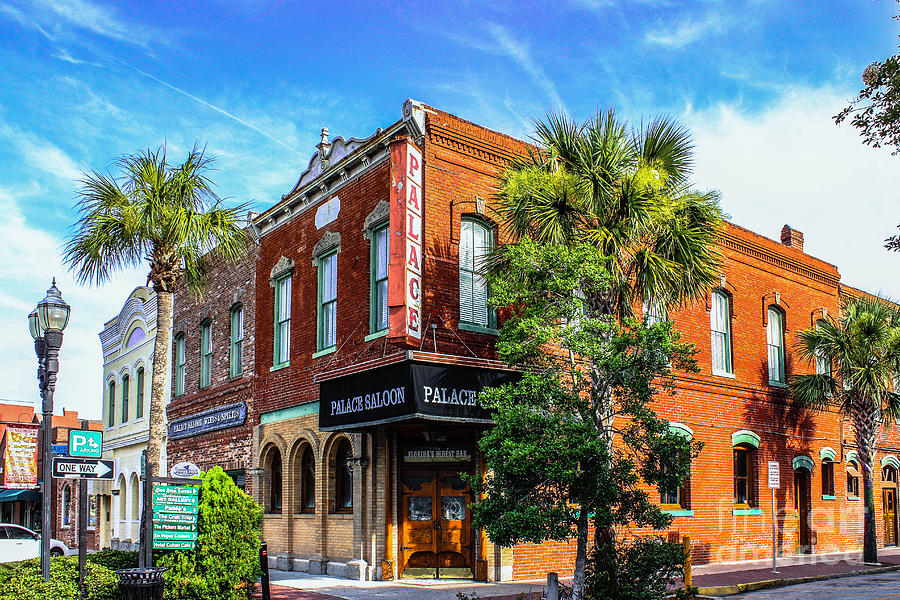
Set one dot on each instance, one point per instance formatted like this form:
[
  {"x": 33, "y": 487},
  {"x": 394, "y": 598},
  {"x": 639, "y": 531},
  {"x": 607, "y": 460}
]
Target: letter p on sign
[{"x": 86, "y": 444}]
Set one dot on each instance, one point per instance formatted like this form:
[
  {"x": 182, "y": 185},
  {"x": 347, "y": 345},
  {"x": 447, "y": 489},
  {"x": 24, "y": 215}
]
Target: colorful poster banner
[{"x": 20, "y": 458}]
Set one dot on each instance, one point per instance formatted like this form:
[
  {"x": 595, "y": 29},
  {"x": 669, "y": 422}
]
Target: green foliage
[
  {"x": 687, "y": 593},
  {"x": 225, "y": 561},
  {"x": 640, "y": 569},
  {"x": 23, "y": 581},
  {"x": 114, "y": 559}
]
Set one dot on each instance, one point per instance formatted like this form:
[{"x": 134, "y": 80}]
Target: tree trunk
[
  {"x": 870, "y": 540},
  {"x": 162, "y": 350},
  {"x": 580, "y": 556}
]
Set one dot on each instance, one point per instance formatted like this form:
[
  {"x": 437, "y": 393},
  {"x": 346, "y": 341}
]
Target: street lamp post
[{"x": 46, "y": 324}]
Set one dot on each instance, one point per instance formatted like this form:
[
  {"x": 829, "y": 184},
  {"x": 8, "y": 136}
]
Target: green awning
[{"x": 19, "y": 495}]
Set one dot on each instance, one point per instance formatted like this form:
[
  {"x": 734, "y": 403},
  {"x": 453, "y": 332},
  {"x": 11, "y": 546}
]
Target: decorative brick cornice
[{"x": 732, "y": 241}]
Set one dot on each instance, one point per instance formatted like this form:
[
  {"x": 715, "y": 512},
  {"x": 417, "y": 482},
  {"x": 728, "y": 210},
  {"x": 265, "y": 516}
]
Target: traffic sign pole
[{"x": 774, "y": 484}]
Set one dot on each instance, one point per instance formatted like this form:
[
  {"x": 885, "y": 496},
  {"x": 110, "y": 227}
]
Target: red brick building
[{"x": 372, "y": 340}]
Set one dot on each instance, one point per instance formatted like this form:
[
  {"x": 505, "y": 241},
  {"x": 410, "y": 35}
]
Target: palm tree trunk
[
  {"x": 162, "y": 349},
  {"x": 580, "y": 556},
  {"x": 865, "y": 429},
  {"x": 870, "y": 540}
]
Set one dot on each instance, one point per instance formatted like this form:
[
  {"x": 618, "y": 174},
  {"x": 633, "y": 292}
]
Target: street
[{"x": 865, "y": 587}]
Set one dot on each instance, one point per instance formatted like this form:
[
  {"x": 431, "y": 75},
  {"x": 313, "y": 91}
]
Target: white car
[{"x": 20, "y": 543}]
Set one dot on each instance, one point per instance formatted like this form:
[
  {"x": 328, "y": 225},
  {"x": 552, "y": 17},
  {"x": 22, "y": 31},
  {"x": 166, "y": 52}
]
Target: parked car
[{"x": 20, "y": 543}]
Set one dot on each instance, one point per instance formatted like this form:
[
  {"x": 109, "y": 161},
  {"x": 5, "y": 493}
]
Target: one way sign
[{"x": 82, "y": 468}]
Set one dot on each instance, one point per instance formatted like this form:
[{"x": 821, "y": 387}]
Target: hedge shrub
[
  {"x": 224, "y": 563},
  {"x": 114, "y": 559},
  {"x": 23, "y": 581}
]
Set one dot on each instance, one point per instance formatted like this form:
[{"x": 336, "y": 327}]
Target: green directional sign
[
  {"x": 183, "y": 536},
  {"x": 161, "y": 517},
  {"x": 85, "y": 444},
  {"x": 176, "y": 490},
  {"x": 171, "y": 545},
  {"x": 164, "y": 526},
  {"x": 172, "y": 499},
  {"x": 181, "y": 509}
]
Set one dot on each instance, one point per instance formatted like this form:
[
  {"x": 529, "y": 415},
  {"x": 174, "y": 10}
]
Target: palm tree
[
  {"x": 626, "y": 191},
  {"x": 863, "y": 349},
  {"x": 167, "y": 215}
]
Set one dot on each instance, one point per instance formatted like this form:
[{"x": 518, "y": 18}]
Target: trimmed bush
[
  {"x": 114, "y": 559},
  {"x": 23, "y": 581},
  {"x": 224, "y": 563}
]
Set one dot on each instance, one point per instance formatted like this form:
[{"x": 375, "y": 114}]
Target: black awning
[{"x": 406, "y": 391}]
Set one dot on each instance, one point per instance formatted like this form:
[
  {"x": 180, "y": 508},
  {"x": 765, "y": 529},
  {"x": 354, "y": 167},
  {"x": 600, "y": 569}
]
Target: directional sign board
[
  {"x": 175, "y": 510},
  {"x": 82, "y": 468},
  {"x": 85, "y": 444},
  {"x": 774, "y": 475}
]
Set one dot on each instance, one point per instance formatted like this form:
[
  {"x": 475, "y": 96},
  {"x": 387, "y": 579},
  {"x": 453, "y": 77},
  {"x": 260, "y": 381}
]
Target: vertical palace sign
[{"x": 405, "y": 264}]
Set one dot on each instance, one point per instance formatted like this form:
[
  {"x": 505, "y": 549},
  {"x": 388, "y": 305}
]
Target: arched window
[
  {"x": 139, "y": 408},
  {"x": 125, "y": 385},
  {"x": 275, "y": 481},
  {"x": 307, "y": 479},
  {"x": 827, "y": 478},
  {"x": 111, "y": 404},
  {"x": 720, "y": 331},
  {"x": 475, "y": 242},
  {"x": 205, "y": 353},
  {"x": 343, "y": 477},
  {"x": 179, "y": 364},
  {"x": 66, "y": 505},
  {"x": 123, "y": 498},
  {"x": 135, "y": 497},
  {"x": 236, "y": 363},
  {"x": 822, "y": 366},
  {"x": 889, "y": 474},
  {"x": 775, "y": 343}
]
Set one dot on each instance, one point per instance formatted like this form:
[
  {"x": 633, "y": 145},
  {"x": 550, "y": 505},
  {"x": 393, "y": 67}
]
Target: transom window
[
  {"x": 179, "y": 364},
  {"x": 327, "y": 330},
  {"x": 475, "y": 243},
  {"x": 205, "y": 353},
  {"x": 775, "y": 342},
  {"x": 720, "y": 328},
  {"x": 282, "y": 320},
  {"x": 236, "y": 359},
  {"x": 379, "y": 277}
]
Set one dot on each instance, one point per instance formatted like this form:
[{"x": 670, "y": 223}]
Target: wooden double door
[{"x": 435, "y": 528}]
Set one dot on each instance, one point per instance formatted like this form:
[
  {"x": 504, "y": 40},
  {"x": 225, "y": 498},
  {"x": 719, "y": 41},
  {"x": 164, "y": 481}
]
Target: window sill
[
  {"x": 777, "y": 384},
  {"x": 328, "y": 350},
  {"x": 746, "y": 512},
  {"x": 681, "y": 512},
  {"x": 283, "y": 365},
  {"x": 827, "y": 497},
  {"x": 463, "y": 326},
  {"x": 726, "y": 374},
  {"x": 304, "y": 515},
  {"x": 853, "y": 498},
  {"x": 376, "y": 335}
]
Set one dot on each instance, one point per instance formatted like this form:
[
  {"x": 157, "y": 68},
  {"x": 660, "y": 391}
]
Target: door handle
[{"x": 437, "y": 525}]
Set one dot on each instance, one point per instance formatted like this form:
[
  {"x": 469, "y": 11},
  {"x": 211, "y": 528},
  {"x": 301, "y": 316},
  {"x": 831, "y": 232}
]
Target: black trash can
[{"x": 141, "y": 583}]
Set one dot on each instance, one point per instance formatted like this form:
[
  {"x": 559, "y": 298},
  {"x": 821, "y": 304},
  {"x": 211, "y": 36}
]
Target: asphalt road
[{"x": 882, "y": 586}]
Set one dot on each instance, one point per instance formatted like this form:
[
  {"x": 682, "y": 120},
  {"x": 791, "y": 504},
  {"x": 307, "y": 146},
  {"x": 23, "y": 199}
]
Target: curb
[{"x": 740, "y": 588}]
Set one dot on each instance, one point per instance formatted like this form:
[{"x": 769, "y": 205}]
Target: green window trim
[
  {"x": 329, "y": 350},
  {"x": 139, "y": 405},
  {"x": 376, "y": 335},
  {"x": 745, "y": 437},
  {"x": 679, "y": 513},
  {"x": 890, "y": 460},
  {"x": 378, "y": 281},
  {"x": 281, "y": 352},
  {"x": 205, "y": 354},
  {"x": 803, "y": 462},
  {"x": 746, "y": 512},
  {"x": 475, "y": 328},
  {"x": 827, "y": 453},
  {"x": 326, "y": 303},
  {"x": 681, "y": 429},
  {"x": 126, "y": 380},
  {"x": 827, "y": 497},
  {"x": 236, "y": 354},
  {"x": 179, "y": 365},
  {"x": 111, "y": 418},
  {"x": 853, "y": 498},
  {"x": 852, "y": 456},
  {"x": 474, "y": 310}
]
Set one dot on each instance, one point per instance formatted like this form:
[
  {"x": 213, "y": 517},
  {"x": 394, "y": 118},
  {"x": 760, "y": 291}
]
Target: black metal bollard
[
  {"x": 264, "y": 565},
  {"x": 141, "y": 583}
]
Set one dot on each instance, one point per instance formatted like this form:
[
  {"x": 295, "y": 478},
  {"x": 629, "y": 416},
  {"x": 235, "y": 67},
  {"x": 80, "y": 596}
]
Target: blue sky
[{"x": 83, "y": 81}]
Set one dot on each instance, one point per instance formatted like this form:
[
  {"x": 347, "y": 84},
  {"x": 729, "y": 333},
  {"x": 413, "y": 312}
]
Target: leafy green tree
[
  {"x": 225, "y": 562},
  {"x": 576, "y": 436},
  {"x": 862, "y": 350},
  {"x": 627, "y": 192},
  {"x": 167, "y": 215}
]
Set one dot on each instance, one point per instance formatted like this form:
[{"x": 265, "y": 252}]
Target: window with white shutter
[
  {"x": 327, "y": 326},
  {"x": 775, "y": 343},
  {"x": 475, "y": 243},
  {"x": 720, "y": 331},
  {"x": 282, "y": 320}
]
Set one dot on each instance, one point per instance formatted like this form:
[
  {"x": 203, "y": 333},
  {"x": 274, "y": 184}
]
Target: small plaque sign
[{"x": 774, "y": 475}]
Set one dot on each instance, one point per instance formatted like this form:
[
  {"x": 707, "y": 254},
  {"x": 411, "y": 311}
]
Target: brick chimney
[{"x": 792, "y": 238}]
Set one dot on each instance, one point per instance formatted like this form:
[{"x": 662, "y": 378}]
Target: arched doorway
[
  {"x": 889, "y": 503},
  {"x": 802, "y": 503}
]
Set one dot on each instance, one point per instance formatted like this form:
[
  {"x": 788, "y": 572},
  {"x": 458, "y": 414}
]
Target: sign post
[
  {"x": 774, "y": 484},
  {"x": 85, "y": 444}
]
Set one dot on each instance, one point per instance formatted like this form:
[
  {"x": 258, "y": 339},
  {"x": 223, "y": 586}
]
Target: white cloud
[
  {"x": 520, "y": 52},
  {"x": 101, "y": 21},
  {"x": 688, "y": 30},
  {"x": 790, "y": 164},
  {"x": 32, "y": 260},
  {"x": 41, "y": 154}
]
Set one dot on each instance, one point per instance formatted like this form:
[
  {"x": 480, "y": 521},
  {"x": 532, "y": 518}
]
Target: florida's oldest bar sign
[{"x": 405, "y": 265}]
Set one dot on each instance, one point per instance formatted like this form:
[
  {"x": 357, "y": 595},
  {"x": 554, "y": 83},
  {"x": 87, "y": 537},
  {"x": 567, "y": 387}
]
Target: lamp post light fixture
[{"x": 46, "y": 324}]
